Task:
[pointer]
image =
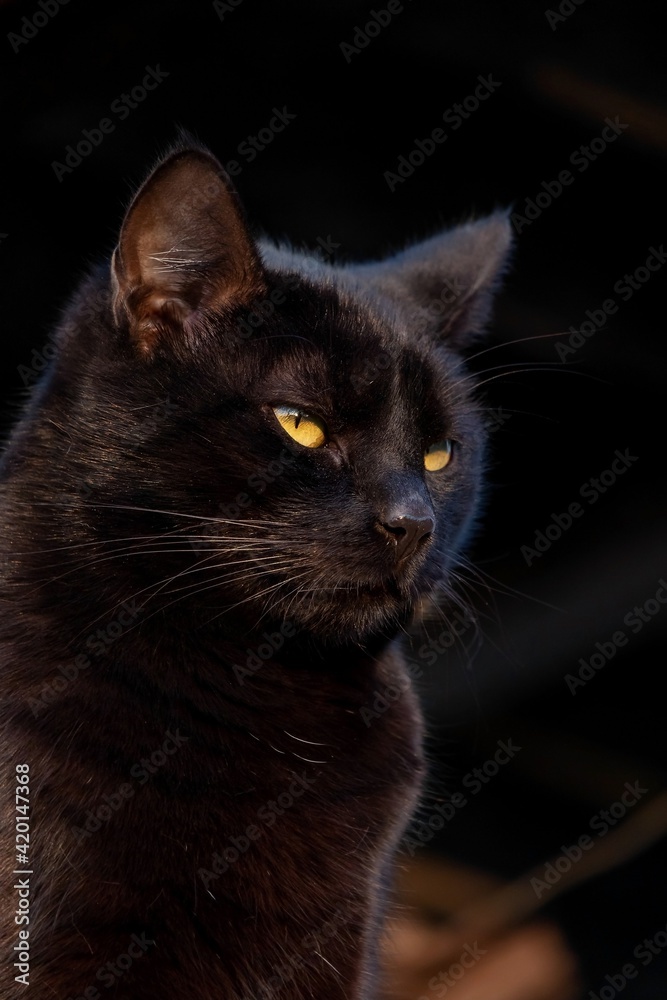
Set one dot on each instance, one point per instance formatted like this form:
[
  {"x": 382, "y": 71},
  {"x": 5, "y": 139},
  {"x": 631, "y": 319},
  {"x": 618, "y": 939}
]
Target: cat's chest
[
  {"x": 335, "y": 754},
  {"x": 294, "y": 805},
  {"x": 348, "y": 734}
]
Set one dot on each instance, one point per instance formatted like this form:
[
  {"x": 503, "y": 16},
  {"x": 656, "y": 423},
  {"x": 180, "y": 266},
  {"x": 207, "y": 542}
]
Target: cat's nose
[{"x": 408, "y": 527}]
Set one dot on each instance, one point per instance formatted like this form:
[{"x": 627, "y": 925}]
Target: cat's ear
[
  {"x": 184, "y": 249},
  {"x": 452, "y": 277}
]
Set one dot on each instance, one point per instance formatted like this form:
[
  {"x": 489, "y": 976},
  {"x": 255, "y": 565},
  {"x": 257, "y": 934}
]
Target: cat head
[{"x": 260, "y": 435}]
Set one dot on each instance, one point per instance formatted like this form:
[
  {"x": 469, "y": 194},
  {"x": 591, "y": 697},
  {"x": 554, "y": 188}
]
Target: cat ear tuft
[
  {"x": 452, "y": 277},
  {"x": 184, "y": 249}
]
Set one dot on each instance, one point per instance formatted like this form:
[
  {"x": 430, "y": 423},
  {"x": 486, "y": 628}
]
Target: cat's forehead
[
  {"x": 338, "y": 350},
  {"x": 324, "y": 312}
]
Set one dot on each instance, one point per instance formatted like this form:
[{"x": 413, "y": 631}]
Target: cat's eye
[
  {"x": 438, "y": 456},
  {"x": 304, "y": 428}
]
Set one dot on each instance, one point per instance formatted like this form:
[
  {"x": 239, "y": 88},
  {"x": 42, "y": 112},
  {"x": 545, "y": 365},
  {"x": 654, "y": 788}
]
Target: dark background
[{"x": 559, "y": 424}]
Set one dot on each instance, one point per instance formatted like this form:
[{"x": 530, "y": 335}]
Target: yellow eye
[
  {"x": 438, "y": 456},
  {"x": 304, "y": 428}
]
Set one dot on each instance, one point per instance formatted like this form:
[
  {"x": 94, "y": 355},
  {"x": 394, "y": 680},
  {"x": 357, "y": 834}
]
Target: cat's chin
[{"x": 356, "y": 613}]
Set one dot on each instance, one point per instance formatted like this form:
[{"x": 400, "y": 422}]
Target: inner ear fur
[{"x": 184, "y": 248}]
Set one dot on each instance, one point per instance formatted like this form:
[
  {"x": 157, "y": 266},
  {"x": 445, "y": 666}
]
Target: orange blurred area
[{"x": 426, "y": 957}]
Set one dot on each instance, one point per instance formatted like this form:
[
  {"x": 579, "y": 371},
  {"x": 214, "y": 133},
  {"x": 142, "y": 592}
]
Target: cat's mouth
[
  {"x": 347, "y": 607},
  {"x": 352, "y": 610}
]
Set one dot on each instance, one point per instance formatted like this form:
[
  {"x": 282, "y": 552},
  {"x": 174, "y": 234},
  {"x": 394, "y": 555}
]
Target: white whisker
[{"x": 312, "y": 742}]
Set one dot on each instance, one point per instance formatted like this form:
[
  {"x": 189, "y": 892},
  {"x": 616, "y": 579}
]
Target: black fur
[{"x": 195, "y": 609}]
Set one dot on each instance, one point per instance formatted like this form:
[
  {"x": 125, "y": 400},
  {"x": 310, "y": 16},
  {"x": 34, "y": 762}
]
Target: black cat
[{"x": 242, "y": 470}]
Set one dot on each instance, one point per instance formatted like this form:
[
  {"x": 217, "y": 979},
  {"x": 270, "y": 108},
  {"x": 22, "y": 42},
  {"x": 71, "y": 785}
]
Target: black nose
[{"x": 407, "y": 529}]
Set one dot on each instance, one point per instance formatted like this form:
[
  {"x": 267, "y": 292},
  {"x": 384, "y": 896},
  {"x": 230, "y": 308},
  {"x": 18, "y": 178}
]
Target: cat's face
[{"x": 269, "y": 440}]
